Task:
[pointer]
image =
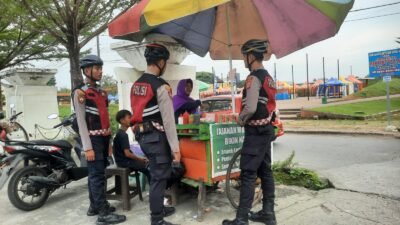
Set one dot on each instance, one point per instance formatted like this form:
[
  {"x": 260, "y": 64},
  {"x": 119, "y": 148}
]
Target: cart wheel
[{"x": 233, "y": 183}]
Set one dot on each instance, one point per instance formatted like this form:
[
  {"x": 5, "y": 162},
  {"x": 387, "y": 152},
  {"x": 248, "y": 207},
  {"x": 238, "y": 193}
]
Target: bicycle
[
  {"x": 233, "y": 183},
  {"x": 15, "y": 131}
]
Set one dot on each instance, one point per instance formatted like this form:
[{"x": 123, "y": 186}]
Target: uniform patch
[
  {"x": 81, "y": 97},
  {"x": 249, "y": 82},
  {"x": 271, "y": 83},
  {"x": 169, "y": 90}
]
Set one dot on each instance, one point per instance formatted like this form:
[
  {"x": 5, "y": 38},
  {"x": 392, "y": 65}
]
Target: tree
[
  {"x": 20, "y": 40},
  {"x": 207, "y": 77},
  {"x": 73, "y": 23},
  {"x": 398, "y": 40},
  {"x": 52, "y": 82},
  {"x": 109, "y": 83}
]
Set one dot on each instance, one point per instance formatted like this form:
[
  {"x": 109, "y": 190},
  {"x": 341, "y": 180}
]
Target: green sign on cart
[{"x": 226, "y": 140}]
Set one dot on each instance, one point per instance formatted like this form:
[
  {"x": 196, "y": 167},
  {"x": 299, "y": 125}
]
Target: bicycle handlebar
[{"x": 15, "y": 116}]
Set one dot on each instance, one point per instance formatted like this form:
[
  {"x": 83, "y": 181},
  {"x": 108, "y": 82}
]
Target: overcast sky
[{"x": 351, "y": 45}]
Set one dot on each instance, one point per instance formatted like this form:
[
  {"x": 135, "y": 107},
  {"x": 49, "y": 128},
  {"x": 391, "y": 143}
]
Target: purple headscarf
[{"x": 181, "y": 97}]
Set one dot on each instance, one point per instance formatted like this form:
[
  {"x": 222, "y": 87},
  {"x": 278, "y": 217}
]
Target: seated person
[
  {"x": 122, "y": 153},
  {"x": 182, "y": 100}
]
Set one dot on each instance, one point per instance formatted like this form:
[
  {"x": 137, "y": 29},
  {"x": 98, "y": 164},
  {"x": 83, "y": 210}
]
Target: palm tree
[{"x": 398, "y": 40}]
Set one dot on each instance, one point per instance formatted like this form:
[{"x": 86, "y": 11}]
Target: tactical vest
[
  {"x": 96, "y": 111},
  {"x": 144, "y": 102},
  {"x": 263, "y": 104}
]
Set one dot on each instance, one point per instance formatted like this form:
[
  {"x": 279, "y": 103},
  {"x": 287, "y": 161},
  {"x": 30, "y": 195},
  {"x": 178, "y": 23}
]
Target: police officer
[
  {"x": 257, "y": 109},
  {"x": 91, "y": 108},
  {"x": 154, "y": 127}
]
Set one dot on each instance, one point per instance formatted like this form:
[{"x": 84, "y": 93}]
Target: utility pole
[
  {"x": 98, "y": 45},
  {"x": 351, "y": 70},
  {"x": 338, "y": 69},
  {"x": 293, "y": 81},
  {"x": 308, "y": 82},
  {"x": 276, "y": 81},
  {"x": 323, "y": 73}
]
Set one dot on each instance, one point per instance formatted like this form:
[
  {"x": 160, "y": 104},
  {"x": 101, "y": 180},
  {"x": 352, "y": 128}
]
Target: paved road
[
  {"x": 369, "y": 164},
  {"x": 366, "y": 164}
]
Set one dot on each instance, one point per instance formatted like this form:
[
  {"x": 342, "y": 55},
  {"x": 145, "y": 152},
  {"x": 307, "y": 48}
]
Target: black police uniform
[
  {"x": 151, "y": 135},
  {"x": 91, "y": 107},
  {"x": 256, "y": 151}
]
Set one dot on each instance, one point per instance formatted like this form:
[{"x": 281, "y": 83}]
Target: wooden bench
[{"x": 122, "y": 191}]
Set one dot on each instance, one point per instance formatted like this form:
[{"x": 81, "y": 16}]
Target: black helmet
[
  {"x": 259, "y": 47},
  {"x": 90, "y": 60},
  {"x": 155, "y": 52}
]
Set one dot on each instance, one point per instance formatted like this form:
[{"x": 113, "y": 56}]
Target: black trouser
[
  {"x": 96, "y": 177},
  {"x": 156, "y": 148},
  {"x": 136, "y": 165},
  {"x": 255, "y": 161}
]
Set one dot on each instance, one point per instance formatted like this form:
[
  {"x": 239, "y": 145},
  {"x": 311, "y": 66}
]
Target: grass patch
[
  {"x": 65, "y": 110},
  {"x": 360, "y": 108},
  {"x": 287, "y": 173},
  {"x": 379, "y": 89}
]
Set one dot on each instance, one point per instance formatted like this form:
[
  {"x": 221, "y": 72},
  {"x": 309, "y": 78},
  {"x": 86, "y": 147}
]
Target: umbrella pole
[{"x": 233, "y": 87}]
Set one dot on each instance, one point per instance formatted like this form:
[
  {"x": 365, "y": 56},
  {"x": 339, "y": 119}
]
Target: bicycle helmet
[
  {"x": 255, "y": 46},
  {"x": 155, "y": 52},
  {"x": 90, "y": 60}
]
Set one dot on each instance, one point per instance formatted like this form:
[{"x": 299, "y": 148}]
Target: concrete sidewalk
[{"x": 295, "y": 206}]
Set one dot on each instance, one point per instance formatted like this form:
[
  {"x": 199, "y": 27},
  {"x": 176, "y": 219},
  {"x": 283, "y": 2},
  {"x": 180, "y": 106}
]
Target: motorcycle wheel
[{"x": 30, "y": 199}]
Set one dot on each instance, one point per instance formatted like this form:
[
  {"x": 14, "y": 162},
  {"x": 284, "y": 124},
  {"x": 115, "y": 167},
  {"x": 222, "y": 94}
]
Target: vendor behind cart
[
  {"x": 257, "y": 106},
  {"x": 182, "y": 100},
  {"x": 154, "y": 127}
]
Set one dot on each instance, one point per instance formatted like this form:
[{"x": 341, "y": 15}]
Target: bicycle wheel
[
  {"x": 233, "y": 183},
  {"x": 18, "y": 133}
]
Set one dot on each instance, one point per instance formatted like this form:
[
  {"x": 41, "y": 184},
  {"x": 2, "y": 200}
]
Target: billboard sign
[{"x": 384, "y": 63}]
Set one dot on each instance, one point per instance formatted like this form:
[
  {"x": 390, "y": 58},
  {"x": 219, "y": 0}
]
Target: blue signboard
[{"x": 384, "y": 63}]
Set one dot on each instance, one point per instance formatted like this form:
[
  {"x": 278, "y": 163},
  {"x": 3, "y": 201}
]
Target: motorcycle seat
[{"x": 59, "y": 143}]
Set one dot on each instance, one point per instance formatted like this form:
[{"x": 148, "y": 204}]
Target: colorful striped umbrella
[{"x": 220, "y": 27}]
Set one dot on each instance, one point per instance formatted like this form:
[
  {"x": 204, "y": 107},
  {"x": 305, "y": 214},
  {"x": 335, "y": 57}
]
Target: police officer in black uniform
[
  {"x": 91, "y": 108},
  {"x": 154, "y": 127},
  {"x": 258, "y": 104}
]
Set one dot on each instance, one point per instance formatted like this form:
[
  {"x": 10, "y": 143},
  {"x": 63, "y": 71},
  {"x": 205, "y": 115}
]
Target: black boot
[
  {"x": 106, "y": 218},
  {"x": 242, "y": 218},
  {"x": 266, "y": 215},
  {"x": 159, "y": 220},
  {"x": 92, "y": 212},
  {"x": 168, "y": 211}
]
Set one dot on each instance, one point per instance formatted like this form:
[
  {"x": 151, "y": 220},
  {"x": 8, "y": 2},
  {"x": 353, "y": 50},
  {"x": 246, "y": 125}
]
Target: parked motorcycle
[{"x": 51, "y": 166}]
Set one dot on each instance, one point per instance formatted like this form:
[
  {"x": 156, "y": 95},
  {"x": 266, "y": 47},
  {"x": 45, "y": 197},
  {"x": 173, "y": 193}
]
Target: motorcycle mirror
[{"x": 52, "y": 116}]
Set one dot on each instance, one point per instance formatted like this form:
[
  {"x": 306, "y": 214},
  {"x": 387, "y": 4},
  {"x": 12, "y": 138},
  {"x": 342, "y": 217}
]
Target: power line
[
  {"x": 374, "y": 7},
  {"x": 373, "y": 17}
]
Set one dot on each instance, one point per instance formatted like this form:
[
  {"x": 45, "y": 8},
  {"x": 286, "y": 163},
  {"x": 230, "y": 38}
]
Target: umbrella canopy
[
  {"x": 202, "y": 25},
  {"x": 203, "y": 86}
]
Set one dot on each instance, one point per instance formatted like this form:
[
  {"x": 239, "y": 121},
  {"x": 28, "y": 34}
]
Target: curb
[{"x": 335, "y": 132}]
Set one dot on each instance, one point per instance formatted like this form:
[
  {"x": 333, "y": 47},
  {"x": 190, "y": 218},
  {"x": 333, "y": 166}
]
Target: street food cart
[{"x": 206, "y": 150}]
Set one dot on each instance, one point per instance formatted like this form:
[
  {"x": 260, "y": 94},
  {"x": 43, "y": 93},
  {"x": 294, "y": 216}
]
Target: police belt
[
  {"x": 261, "y": 122},
  {"x": 147, "y": 127}
]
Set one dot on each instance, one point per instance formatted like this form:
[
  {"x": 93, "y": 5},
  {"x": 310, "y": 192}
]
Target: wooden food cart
[{"x": 206, "y": 151}]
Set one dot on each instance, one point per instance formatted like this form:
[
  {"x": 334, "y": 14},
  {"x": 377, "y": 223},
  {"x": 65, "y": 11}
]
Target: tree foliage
[
  {"x": 110, "y": 84},
  {"x": 207, "y": 77},
  {"x": 73, "y": 23},
  {"x": 20, "y": 39}
]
